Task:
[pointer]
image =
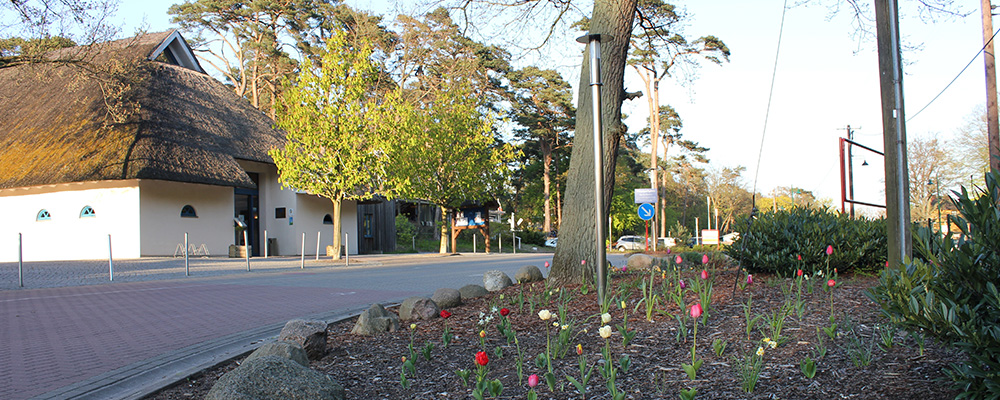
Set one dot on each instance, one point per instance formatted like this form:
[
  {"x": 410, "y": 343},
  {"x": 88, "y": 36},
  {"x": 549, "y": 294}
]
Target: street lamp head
[{"x": 930, "y": 182}]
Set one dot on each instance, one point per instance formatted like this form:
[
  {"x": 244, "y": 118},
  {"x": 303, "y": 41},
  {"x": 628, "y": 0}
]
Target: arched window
[
  {"x": 188, "y": 212},
  {"x": 328, "y": 220},
  {"x": 43, "y": 215},
  {"x": 87, "y": 212}
]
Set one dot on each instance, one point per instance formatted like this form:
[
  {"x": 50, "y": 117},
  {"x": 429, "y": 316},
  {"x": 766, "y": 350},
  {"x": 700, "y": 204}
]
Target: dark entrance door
[{"x": 247, "y": 206}]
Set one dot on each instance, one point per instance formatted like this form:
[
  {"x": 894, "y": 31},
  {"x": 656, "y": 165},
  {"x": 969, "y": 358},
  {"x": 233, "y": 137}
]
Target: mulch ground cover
[{"x": 857, "y": 363}]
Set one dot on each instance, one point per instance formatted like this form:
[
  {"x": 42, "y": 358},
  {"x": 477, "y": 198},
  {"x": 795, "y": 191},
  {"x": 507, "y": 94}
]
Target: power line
[
  {"x": 770, "y": 95},
  {"x": 956, "y": 76}
]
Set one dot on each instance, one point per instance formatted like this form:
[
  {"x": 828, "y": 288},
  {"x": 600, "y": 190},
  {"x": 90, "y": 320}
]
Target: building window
[
  {"x": 188, "y": 212},
  {"x": 87, "y": 212},
  {"x": 43, "y": 216},
  {"x": 327, "y": 220},
  {"x": 279, "y": 213},
  {"x": 366, "y": 227}
]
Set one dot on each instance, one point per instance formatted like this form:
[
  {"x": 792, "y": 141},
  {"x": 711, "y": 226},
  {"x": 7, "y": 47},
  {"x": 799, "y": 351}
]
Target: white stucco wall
[
  {"x": 309, "y": 220},
  {"x": 162, "y": 227},
  {"x": 67, "y": 236}
]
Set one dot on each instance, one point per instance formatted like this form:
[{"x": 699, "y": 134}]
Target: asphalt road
[{"x": 152, "y": 325}]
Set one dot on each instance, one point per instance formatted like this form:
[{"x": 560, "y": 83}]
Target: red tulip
[
  {"x": 533, "y": 380},
  {"x": 696, "y": 311},
  {"x": 445, "y": 314},
  {"x": 831, "y": 282},
  {"x": 482, "y": 358},
  {"x": 704, "y": 274},
  {"x": 798, "y": 273},
  {"x": 799, "y": 257},
  {"x": 704, "y": 258},
  {"x": 829, "y": 250},
  {"x": 504, "y": 311},
  {"x": 678, "y": 260},
  {"x": 546, "y": 264}
]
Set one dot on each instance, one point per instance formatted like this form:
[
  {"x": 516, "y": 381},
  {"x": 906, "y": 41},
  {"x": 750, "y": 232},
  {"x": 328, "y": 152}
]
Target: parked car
[
  {"x": 665, "y": 242},
  {"x": 551, "y": 242},
  {"x": 630, "y": 243},
  {"x": 729, "y": 238}
]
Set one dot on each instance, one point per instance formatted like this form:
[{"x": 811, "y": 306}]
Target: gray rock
[
  {"x": 376, "y": 320},
  {"x": 528, "y": 274},
  {"x": 273, "y": 377},
  {"x": 447, "y": 298},
  {"x": 496, "y": 280},
  {"x": 287, "y": 350},
  {"x": 417, "y": 307},
  {"x": 473, "y": 291},
  {"x": 640, "y": 261},
  {"x": 310, "y": 334}
]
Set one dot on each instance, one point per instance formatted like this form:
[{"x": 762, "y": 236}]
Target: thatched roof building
[{"x": 139, "y": 108}]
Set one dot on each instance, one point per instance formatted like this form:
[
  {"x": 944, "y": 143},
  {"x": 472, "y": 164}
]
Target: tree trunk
[
  {"x": 445, "y": 229},
  {"x": 654, "y": 118},
  {"x": 337, "y": 203},
  {"x": 546, "y": 179},
  {"x": 612, "y": 18}
]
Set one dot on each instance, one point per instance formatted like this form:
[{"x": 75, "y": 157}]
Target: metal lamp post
[
  {"x": 594, "y": 41},
  {"x": 937, "y": 198}
]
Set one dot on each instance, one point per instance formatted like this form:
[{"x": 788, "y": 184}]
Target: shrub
[
  {"x": 773, "y": 241},
  {"x": 952, "y": 296}
]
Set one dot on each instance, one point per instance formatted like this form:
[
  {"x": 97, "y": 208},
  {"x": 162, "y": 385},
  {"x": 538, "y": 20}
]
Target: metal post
[
  {"x": 843, "y": 183},
  {"x": 111, "y": 264},
  {"x": 347, "y": 250},
  {"x": 246, "y": 244},
  {"x": 20, "y": 260},
  {"x": 473, "y": 244},
  {"x": 302, "y": 262},
  {"x": 317, "y": 245},
  {"x": 513, "y": 242},
  {"x": 850, "y": 167},
  {"x": 595, "y": 85},
  {"x": 187, "y": 267},
  {"x": 265, "y": 243}
]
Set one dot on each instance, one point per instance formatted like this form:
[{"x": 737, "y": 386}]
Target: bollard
[
  {"x": 246, "y": 244},
  {"x": 187, "y": 266},
  {"x": 111, "y": 264},
  {"x": 20, "y": 260},
  {"x": 473, "y": 243},
  {"x": 347, "y": 250},
  {"x": 302, "y": 264},
  {"x": 513, "y": 242},
  {"x": 317, "y": 245},
  {"x": 265, "y": 243}
]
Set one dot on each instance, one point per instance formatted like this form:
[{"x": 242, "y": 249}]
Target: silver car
[{"x": 630, "y": 243}]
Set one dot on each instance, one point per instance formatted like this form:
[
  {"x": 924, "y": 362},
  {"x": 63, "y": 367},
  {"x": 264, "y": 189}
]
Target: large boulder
[
  {"x": 310, "y": 334},
  {"x": 528, "y": 274},
  {"x": 417, "y": 307},
  {"x": 640, "y": 261},
  {"x": 273, "y": 377},
  {"x": 472, "y": 291},
  {"x": 376, "y": 320},
  {"x": 496, "y": 280},
  {"x": 447, "y": 298},
  {"x": 287, "y": 350}
]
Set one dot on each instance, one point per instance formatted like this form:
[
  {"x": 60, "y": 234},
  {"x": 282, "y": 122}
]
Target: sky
[{"x": 825, "y": 78}]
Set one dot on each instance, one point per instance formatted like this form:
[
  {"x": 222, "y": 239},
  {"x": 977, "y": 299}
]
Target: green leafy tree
[
  {"x": 336, "y": 127},
  {"x": 543, "y": 109}
]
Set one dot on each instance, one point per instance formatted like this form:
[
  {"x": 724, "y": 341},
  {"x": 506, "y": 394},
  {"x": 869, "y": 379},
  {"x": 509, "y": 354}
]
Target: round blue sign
[{"x": 646, "y": 211}]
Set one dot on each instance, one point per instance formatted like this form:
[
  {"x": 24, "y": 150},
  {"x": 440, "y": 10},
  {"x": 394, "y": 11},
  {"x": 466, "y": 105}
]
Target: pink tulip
[
  {"x": 681, "y": 283},
  {"x": 831, "y": 282},
  {"x": 533, "y": 380},
  {"x": 799, "y": 257},
  {"x": 623, "y": 268},
  {"x": 583, "y": 262},
  {"x": 678, "y": 260},
  {"x": 696, "y": 311},
  {"x": 546, "y": 264},
  {"x": 829, "y": 250},
  {"x": 704, "y": 259},
  {"x": 668, "y": 251},
  {"x": 704, "y": 274},
  {"x": 750, "y": 279}
]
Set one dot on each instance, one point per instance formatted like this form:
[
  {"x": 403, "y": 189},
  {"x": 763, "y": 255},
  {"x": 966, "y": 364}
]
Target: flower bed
[{"x": 796, "y": 348}]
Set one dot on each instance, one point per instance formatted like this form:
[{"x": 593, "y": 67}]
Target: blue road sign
[{"x": 646, "y": 211}]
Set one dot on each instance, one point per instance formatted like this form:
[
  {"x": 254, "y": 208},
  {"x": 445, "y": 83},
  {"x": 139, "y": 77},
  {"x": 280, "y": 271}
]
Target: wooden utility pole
[
  {"x": 993, "y": 126},
  {"x": 897, "y": 188}
]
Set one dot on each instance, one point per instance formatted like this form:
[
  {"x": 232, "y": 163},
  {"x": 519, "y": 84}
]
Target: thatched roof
[{"x": 178, "y": 124}]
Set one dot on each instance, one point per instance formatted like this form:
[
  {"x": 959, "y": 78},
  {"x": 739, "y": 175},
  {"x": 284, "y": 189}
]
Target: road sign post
[{"x": 646, "y": 212}]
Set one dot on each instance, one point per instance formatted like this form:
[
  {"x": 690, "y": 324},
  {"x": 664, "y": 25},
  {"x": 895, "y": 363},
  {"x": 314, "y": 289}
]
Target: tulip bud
[
  {"x": 799, "y": 257},
  {"x": 682, "y": 284},
  {"x": 605, "y": 331},
  {"x": 579, "y": 349},
  {"x": 750, "y": 279},
  {"x": 704, "y": 274},
  {"x": 696, "y": 311},
  {"x": 544, "y": 315},
  {"x": 413, "y": 326},
  {"x": 546, "y": 264},
  {"x": 798, "y": 273},
  {"x": 829, "y": 250},
  {"x": 678, "y": 260},
  {"x": 482, "y": 334},
  {"x": 831, "y": 283},
  {"x": 532, "y": 380},
  {"x": 704, "y": 259},
  {"x": 583, "y": 262},
  {"x": 605, "y": 318}
]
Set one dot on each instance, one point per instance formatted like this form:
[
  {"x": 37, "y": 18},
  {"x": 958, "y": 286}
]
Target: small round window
[
  {"x": 43, "y": 215},
  {"x": 188, "y": 212},
  {"x": 87, "y": 212}
]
